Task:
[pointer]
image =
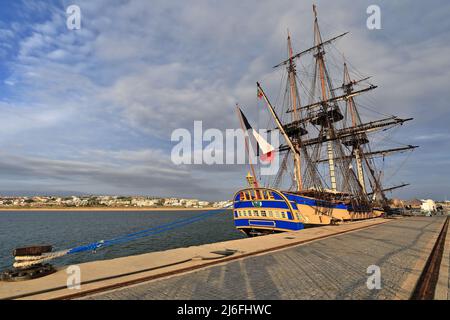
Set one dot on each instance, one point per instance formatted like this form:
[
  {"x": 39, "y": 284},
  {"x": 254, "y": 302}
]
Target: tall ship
[{"x": 328, "y": 172}]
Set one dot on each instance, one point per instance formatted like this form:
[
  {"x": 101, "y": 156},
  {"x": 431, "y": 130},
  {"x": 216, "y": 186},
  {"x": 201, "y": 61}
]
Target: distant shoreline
[{"x": 109, "y": 209}]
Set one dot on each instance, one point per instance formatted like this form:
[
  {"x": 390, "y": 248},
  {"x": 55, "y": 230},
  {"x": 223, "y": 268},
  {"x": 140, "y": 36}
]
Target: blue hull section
[
  {"x": 276, "y": 224},
  {"x": 265, "y": 210}
]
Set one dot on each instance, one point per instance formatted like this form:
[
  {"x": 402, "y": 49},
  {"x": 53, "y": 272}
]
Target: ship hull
[{"x": 265, "y": 210}]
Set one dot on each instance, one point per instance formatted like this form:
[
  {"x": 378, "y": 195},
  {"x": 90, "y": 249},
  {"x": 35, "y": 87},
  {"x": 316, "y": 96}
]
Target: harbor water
[{"x": 67, "y": 229}]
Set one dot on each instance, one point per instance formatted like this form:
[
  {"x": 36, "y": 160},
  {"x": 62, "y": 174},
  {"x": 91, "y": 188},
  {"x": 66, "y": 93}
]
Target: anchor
[{"x": 31, "y": 265}]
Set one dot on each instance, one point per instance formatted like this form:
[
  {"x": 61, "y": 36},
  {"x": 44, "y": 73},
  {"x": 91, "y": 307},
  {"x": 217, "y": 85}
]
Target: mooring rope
[{"x": 28, "y": 261}]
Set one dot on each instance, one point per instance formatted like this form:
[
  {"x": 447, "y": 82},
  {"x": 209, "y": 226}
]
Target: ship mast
[
  {"x": 358, "y": 140},
  {"x": 345, "y": 142},
  {"x": 295, "y": 117},
  {"x": 327, "y": 124},
  {"x": 293, "y": 147},
  {"x": 253, "y": 183}
]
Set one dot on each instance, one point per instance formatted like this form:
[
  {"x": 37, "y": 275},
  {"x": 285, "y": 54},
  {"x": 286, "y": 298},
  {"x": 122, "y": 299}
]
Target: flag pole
[{"x": 247, "y": 148}]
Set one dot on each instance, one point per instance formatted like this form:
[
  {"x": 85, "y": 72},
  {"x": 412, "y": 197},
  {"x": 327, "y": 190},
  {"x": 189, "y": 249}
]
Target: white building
[
  {"x": 144, "y": 202},
  {"x": 189, "y": 203},
  {"x": 203, "y": 203},
  {"x": 221, "y": 204},
  {"x": 428, "y": 205},
  {"x": 172, "y": 202}
]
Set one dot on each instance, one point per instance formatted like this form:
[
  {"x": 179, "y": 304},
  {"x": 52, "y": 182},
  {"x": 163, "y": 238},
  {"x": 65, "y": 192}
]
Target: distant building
[
  {"x": 397, "y": 203},
  {"x": 413, "y": 204},
  {"x": 189, "y": 203},
  {"x": 428, "y": 205},
  {"x": 221, "y": 204},
  {"x": 104, "y": 201},
  {"x": 172, "y": 202},
  {"x": 139, "y": 202}
]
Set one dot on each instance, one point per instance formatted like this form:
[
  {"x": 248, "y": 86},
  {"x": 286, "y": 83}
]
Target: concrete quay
[{"x": 319, "y": 263}]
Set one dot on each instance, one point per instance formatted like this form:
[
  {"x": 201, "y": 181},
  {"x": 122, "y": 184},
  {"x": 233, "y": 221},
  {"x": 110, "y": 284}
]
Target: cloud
[
  {"x": 433, "y": 136},
  {"x": 146, "y": 172}
]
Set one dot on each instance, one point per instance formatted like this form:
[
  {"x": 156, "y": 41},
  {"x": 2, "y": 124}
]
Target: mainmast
[{"x": 327, "y": 121}]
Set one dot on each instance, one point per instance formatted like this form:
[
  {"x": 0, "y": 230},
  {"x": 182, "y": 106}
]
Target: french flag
[{"x": 268, "y": 151}]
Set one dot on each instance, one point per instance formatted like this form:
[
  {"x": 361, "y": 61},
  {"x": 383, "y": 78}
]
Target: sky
[{"x": 91, "y": 111}]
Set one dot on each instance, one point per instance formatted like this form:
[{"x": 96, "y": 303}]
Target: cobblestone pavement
[{"x": 332, "y": 268}]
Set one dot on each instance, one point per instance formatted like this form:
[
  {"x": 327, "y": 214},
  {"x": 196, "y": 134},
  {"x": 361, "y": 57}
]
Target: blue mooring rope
[{"x": 144, "y": 233}]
